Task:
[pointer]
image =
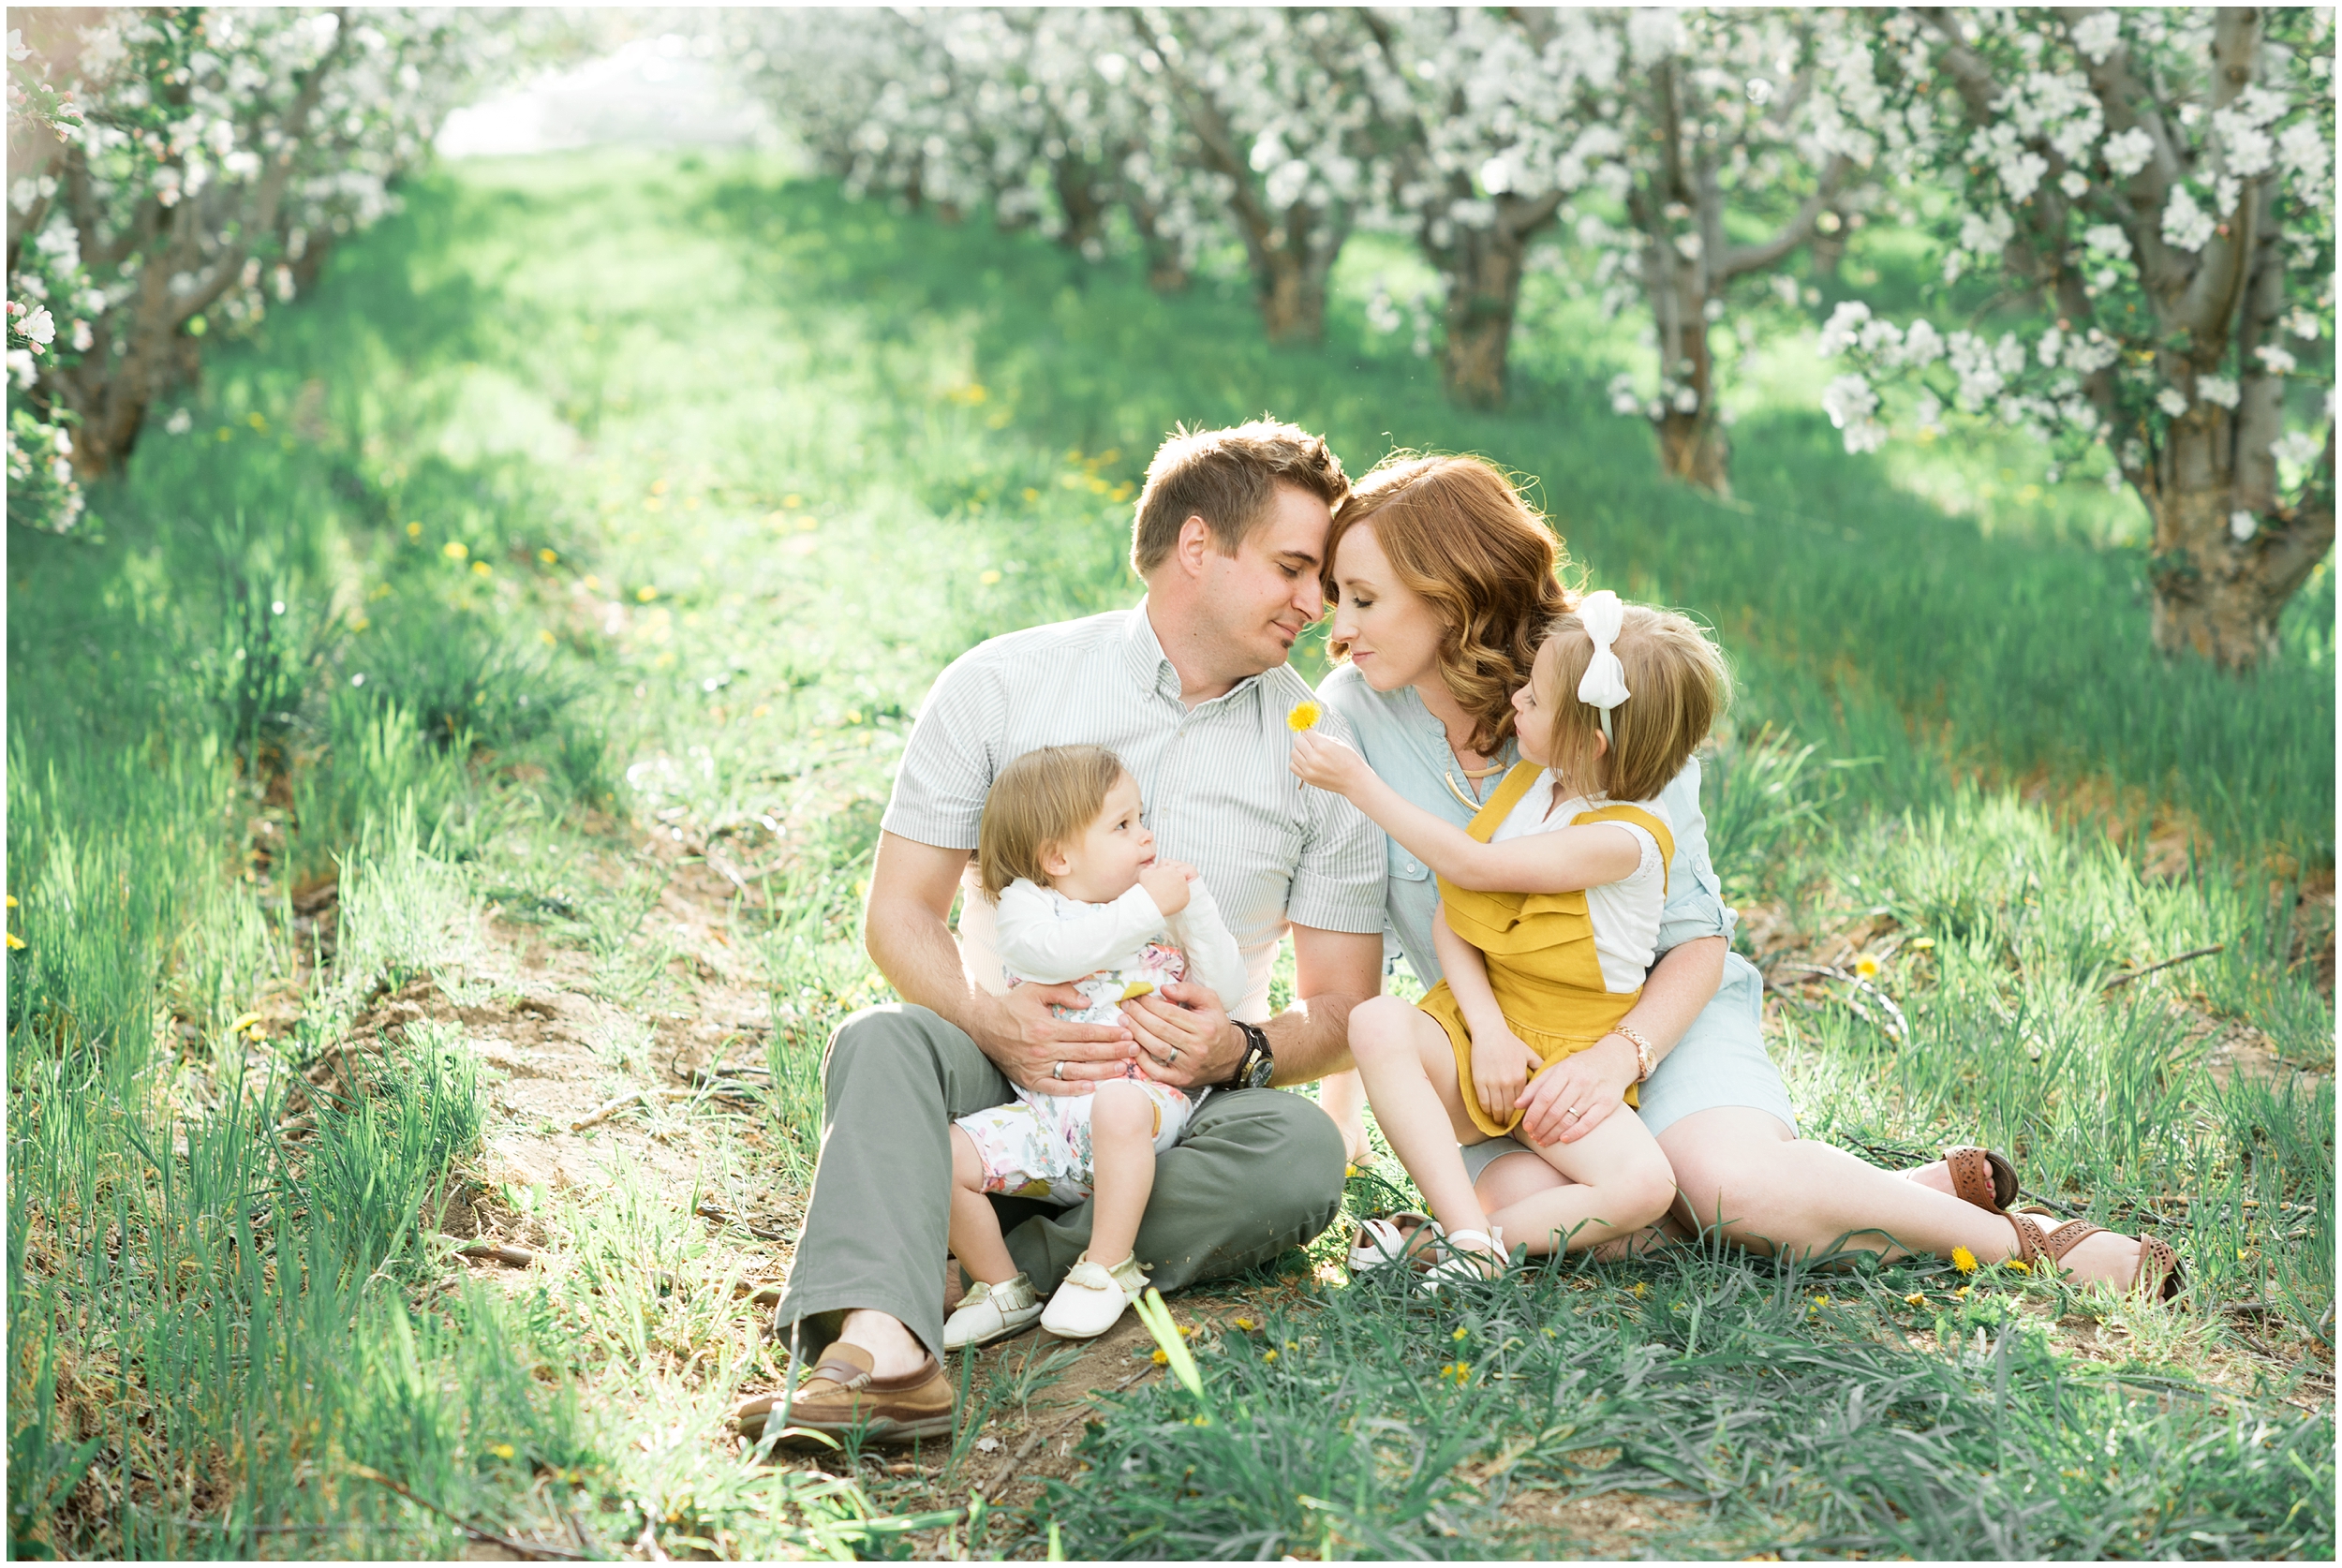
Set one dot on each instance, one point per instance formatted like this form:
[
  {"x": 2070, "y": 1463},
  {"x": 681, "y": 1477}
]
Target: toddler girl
[
  {"x": 1549, "y": 906},
  {"x": 1080, "y": 897}
]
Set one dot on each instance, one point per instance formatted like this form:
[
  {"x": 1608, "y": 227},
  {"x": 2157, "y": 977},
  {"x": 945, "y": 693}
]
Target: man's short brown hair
[{"x": 1229, "y": 479}]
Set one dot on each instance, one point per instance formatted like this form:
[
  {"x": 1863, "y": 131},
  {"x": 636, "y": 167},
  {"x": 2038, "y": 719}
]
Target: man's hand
[
  {"x": 1184, "y": 1037},
  {"x": 1041, "y": 1051},
  {"x": 1592, "y": 1081},
  {"x": 1325, "y": 761},
  {"x": 1165, "y": 882},
  {"x": 1501, "y": 1064}
]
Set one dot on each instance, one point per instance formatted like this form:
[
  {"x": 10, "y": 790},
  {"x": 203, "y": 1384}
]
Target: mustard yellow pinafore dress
[{"x": 1539, "y": 947}]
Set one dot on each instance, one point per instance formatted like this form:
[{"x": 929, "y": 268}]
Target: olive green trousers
[{"x": 1259, "y": 1171}]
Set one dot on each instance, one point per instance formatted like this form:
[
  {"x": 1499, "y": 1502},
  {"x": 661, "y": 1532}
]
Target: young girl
[
  {"x": 1549, "y": 906},
  {"x": 1080, "y": 896}
]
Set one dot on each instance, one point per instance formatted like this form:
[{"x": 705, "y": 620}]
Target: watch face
[{"x": 1258, "y": 1074}]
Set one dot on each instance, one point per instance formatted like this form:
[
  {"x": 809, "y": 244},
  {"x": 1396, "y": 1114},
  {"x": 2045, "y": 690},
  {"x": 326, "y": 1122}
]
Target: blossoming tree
[
  {"x": 1279, "y": 113},
  {"x": 1730, "y": 158},
  {"x": 2160, "y": 184},
  {"x": 212, "y": 156}
]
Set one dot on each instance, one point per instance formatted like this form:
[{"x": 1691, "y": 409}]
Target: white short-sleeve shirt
[{"x": 1626, "y": 913}]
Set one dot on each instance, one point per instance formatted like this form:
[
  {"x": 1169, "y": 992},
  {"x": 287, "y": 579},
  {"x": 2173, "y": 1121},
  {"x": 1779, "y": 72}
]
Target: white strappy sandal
[
  {"x": 1468, "y": 1257},
  {"x": 1379, "y": 1243}
]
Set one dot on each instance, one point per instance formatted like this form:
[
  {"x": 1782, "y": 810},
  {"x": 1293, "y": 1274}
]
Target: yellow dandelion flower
[
  {"x": 644, "y": 594},
  {"x": 1457, "y": 1372},
  {"x": 1866, "y": 966},
  {"x": 1820, "y": 1300},
  {"x": 1245, "y": 1323},
  {"x": 1304, "y": 716},
  {"x": 481, "y": 568},
  {"x": 593, "y": 583},
  {"x": 1920, "y": 944},
  {"x": 547, "y": 556},
  {"x": 1270, "y": 1356},
  {"x": 1964, "y": 1260},
  {"x": 988, "y": 577},
  {"x": 1961, "y": 1294},
  {"x": 414, "y": 530},
  {"x": 2018, "y": 1264},
  {"x": 455, "y": 549},
  {"x": 1913, "y": 1299},
  {"x": 1461, "y": 1333},
  {"x": 1346, "y": 1170},
  {"x": 503, "y": 1450},
  {"x": 1158, "y": 1357},
  {"x": 1641, "y": 1288},
  {"x": 15, "y": 941},
  {"x": 12, "y": 900}
]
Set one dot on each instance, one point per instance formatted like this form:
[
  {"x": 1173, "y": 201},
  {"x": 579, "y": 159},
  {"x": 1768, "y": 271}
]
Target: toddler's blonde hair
[
  {"x": 1678, "y": 685},
  {"x": 1043, "y": 801}
]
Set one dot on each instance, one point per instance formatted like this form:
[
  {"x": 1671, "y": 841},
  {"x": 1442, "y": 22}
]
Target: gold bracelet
[{"x": 1642, "y": 1051}]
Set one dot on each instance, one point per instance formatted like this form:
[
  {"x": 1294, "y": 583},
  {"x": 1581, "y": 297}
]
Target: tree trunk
[
  {"x": 1166, "y": 268},
  {"x": 1080, "y": 197},
  {"x": 2219, "y": 597},
  {"x": 1693, "y": 448},
  {"x": 1292, "y": 302},
  {"x": 1483, "y": 297}
]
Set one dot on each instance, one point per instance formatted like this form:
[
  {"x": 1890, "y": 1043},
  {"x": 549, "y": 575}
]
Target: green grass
[{"x": 746, "y": 466}]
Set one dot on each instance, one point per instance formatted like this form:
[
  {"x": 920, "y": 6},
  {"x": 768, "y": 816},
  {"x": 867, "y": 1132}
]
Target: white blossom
[
  {"x": 2171, "y": 401},
  {"x": 2074, "y": 184},
  {"x": 2096, "y": 34},
  {"x": 180, "y": 422},
  {"x": 2217, "y": 389},
  {"x": 1844, "y": 327},
  {"x": 1923, "y": 345},
  {"x": 2298, "y": 448},
  {"x": 2108, "y": 238},
  {"x": 1986, "y": 234},
  {"x": 2185, "y": 224},
  {"x": 1851, "y": 403},
  {"x": 2128, "y": 153},
  {"x": 38, "y": 325},
  {"x": 2275, "y": 359},
  {"x": 2242, "y": 526}
]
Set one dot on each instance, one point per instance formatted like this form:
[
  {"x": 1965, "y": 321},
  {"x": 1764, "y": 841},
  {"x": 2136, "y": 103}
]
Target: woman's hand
[
  {"x": 1325, "y": 761},
  {"x": 1501, "y": 1064},
  {"x": 1578, "y": 1092}
]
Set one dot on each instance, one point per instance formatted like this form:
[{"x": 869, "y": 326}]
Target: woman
[{"x": 1444, "y": 580}]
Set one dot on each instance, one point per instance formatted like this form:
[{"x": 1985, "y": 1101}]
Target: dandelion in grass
[
  {"x": 481, "y": 569},
  {"x": 988, "y": 577},
  {"x": 1245, "y": 1323},
  {"x": 503, "y": 1450},
  {"x": 2016, "y": 1265},
  {"x": 1457, "y": 1372},
  {"x": 15, "y": 941},
  {"x": 1304, "y": 716},
  {"x": 1913, "y": 1299},
  {"x": 1159, "y": 1358},
  {"x": 1964, "y": 1260},
  {"x": 644, "y": 594},
  {"x": 1270, "y": 1356},
  {"x": 1867, "y": 968},
  {"x": 454, "y": 548},
  {"x": 1461, "y": 1333},
  {"x": 547, "y": 556}
]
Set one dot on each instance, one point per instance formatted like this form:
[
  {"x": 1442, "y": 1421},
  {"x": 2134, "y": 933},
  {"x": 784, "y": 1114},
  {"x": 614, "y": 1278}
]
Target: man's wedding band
[
  {"x": 1171, "y": 1052},
  {"x": 1058, "y": 1071}
]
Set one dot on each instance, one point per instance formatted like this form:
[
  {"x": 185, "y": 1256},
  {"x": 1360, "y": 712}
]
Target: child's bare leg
[
  {"x": 1512, "y": 1181},
  {"x": 1617, "y": 1183},
  {"x": 1122, "y": 1158},
  {"x": 1343, "y": 1097},
  {"x": 1410, "y": 1073},
  {"x": 975, "y": 1230}
]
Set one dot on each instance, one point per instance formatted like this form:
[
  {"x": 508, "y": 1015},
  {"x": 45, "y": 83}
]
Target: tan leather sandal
[
  {"x": 1982, "y": 1178},
  {"x": 2160, "y": 1275}
]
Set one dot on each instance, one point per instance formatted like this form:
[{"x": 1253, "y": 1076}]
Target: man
[{"x": 1192, "y": 689}]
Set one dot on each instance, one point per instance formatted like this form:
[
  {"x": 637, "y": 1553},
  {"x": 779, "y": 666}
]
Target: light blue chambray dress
[{"x": 1721, "y": 1060}]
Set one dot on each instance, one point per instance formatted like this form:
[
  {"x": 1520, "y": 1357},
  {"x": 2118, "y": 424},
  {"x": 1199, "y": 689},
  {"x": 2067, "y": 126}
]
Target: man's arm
[
  {"x": 906, "y": 931},
  {"x": 1333, "y": 972},
  {"x": 1186, "y": 1039}
]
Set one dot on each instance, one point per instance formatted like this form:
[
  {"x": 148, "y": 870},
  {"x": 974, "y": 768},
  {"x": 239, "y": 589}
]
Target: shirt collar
[{"x": 1149, "y": 663}]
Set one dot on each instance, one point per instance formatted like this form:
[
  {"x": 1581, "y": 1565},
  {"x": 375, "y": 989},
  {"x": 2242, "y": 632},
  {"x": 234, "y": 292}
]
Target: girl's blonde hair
[
  {"x": 1679, "y": 684},
  {"x": 1043, "y": 801},
  {"x": 1464, "y": 540}
]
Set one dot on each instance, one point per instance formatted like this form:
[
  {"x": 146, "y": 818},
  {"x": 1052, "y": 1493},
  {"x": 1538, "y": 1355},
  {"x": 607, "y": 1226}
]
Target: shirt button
[{"x": 1413, "y": 868}]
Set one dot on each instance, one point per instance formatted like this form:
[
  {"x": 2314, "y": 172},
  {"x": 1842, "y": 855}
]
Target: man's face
[{"x": 1264, "y": 596}]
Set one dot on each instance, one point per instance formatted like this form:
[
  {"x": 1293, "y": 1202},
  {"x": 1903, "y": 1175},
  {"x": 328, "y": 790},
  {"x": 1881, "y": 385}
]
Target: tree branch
[{"x": 1795, "y": 232}]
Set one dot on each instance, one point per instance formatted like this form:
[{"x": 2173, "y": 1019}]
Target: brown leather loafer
[{"x": 843, "y": 1398}]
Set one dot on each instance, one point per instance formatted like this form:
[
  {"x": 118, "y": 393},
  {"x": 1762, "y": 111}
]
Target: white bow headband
[{"x": 1604, "y": 683}]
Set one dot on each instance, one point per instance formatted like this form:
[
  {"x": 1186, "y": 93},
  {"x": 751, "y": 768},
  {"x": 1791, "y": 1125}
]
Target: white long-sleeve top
[{"x": 1041, "y": 935}]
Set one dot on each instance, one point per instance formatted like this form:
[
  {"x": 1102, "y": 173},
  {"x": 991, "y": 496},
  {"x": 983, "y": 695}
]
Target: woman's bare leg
[
  {"x": 1775, "y": 1193},
  {"x": 1410, "y": 1073},
  {"x": 976, "y": 1229}
]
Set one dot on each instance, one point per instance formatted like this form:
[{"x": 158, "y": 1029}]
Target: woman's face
[{"x": 1394, "y": 635}]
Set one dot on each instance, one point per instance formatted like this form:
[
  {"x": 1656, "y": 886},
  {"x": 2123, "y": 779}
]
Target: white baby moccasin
[
  {"x": 989, "y": 1313},
  {"x": 1092, "y": 1298}
]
